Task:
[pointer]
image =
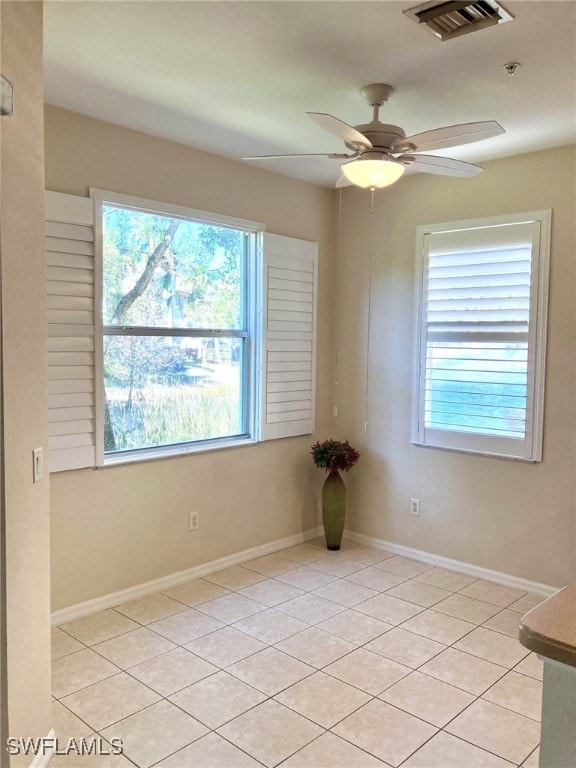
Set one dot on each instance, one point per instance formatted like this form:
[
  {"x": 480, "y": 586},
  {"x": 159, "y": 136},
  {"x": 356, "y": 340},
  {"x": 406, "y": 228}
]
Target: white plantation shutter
[
  {"x": 481, "y": 334},
  {"x": 70, "y": 321},
  {"x": 289, "y": 320},
  {"x": 287, "y": 287}
]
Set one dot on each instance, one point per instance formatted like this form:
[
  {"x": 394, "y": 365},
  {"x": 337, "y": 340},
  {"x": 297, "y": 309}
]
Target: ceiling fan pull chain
[{"x": 369, "y": 315}]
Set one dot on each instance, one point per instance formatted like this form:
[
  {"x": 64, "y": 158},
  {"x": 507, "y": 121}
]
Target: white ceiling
[{"x": 236, "y": 78}]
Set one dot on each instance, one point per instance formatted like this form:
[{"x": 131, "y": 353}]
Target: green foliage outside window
[{"x": 164, "y": 272}]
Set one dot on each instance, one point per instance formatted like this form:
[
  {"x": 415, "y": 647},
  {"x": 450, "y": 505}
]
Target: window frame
[
  {"x": 530, "y": 447},
  {"x": 251, "y": 331}
]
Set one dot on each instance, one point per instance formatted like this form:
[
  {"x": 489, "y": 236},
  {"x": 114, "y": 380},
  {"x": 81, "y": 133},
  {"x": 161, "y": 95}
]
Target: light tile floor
[{"x": 305, "y": 659}]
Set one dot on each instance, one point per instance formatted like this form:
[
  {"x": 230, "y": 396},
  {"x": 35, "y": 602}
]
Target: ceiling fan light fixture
[{"x": 373, "y": 170}]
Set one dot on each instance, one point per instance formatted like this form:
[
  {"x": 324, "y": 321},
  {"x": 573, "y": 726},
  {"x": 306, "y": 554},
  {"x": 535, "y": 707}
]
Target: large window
[
  {"x": 480, "y": 336},
  {"x": 175, "y": 330},
  {"x": 172, "y": 330}
]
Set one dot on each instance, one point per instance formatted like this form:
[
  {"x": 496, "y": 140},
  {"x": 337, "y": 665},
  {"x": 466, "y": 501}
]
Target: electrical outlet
[
  {"x": 194, "y": 521},
  {"x": 415, "y": 507}
]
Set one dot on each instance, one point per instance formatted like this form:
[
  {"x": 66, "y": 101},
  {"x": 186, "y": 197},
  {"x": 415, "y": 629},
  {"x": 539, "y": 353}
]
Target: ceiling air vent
[{"x": 452, "y": 19}]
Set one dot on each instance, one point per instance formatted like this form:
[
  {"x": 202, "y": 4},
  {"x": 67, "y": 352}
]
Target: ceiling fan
[{"x": 381, "y": 153}]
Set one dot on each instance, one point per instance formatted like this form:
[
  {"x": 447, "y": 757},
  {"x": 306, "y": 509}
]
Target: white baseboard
[
  {"x": 174, "y": 579},
  {"x": 454, "y": 565},
  {"x": 41, "y": 760}
]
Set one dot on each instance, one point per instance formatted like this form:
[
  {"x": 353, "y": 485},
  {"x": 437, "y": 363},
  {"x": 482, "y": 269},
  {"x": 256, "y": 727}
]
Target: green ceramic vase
[{"x": 333, "y": 509}]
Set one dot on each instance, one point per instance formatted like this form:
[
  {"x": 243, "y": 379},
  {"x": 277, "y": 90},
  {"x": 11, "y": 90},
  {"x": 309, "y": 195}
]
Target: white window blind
[
  {"x": 70, "y": 323},
  {"x": 481, "y": 320},
  {"x": 289, "y": 355}
]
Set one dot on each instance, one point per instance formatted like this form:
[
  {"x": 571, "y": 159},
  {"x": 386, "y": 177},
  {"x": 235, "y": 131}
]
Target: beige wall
[
  {"x": 504, "y": 515},
  {"x": 117, "y": 527},
  {"x": 24, "y": 358}
]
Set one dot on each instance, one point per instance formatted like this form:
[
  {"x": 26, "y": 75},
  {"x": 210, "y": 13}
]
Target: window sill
[
  {"x": 489, "y": 453},
  {"x": 170, "y": 452}
]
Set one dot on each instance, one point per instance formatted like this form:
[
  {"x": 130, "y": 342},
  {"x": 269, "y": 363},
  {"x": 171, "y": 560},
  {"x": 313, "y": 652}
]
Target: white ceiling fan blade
[
  {"x": 344, "y": 131},
  {"x": 332, "y": 155},
  {"x": 443, "y": 166},
  {"x": 451, "y": 136}
]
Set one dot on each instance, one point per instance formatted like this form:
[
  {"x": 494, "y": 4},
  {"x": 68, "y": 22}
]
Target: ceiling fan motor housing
[{"x": 380, "y": 135}]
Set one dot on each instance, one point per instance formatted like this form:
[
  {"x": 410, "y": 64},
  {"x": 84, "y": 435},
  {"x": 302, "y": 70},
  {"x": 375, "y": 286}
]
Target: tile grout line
[
  {"x": 273, "y": 645},
  {"x": 344, "y": 608}
]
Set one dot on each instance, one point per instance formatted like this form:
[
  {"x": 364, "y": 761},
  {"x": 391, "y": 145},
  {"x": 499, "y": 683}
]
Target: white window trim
[
  {"x": 101, "y": 197},
  {"x": 475, "y": 443}
]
